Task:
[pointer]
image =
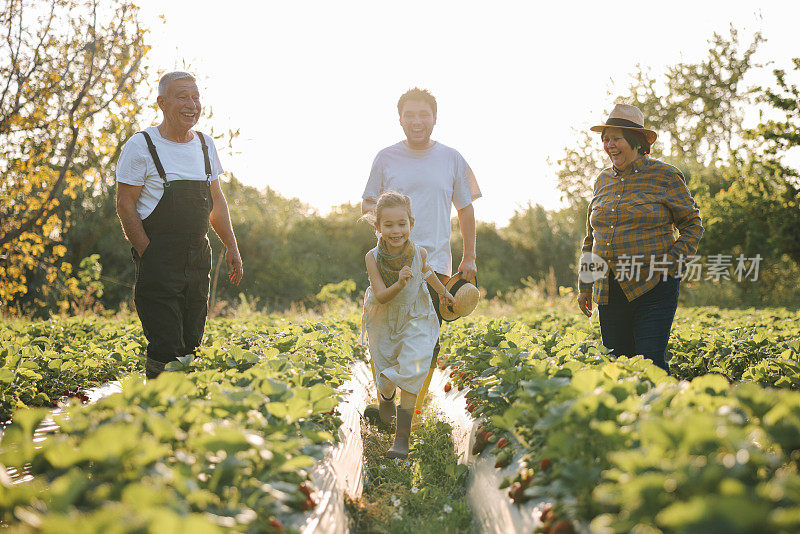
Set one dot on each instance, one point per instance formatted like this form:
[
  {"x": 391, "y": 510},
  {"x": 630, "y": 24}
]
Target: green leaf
[
  {"x": 325, "y": 405},
  {"x": 278, "y": 409},
  {"x": 297, "y": 408},
  {"x": 229, "y": 439},
  {"x": 320, "y": 391},
  {"x": 6, "y": 375},
  {"x": 297, "y": 462},
  {"x": 17, "y": 444},
  {"x": 110, "y": 441}
]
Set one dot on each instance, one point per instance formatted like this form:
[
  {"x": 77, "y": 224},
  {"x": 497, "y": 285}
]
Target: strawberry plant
[
  {"x": 45, "y": 362},
  {"x": 222, "y": 446},
  {"x": 224, "y": 443},
  {"x": 619, "y": 445}
]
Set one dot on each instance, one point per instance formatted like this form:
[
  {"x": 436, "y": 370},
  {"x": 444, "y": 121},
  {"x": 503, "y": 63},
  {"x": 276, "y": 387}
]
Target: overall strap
[
  {"x": 152, "y": 148},
  {"x": 205, "y": 158}
]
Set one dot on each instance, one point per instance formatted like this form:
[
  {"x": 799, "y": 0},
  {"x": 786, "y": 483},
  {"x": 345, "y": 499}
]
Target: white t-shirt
[
  {"x": 435, "y": 179},
  {"x": 181, "y": 161}
]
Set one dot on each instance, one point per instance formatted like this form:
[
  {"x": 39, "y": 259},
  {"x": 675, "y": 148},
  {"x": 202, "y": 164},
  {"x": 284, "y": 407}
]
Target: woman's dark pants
[{"x": 641, "y": 326}]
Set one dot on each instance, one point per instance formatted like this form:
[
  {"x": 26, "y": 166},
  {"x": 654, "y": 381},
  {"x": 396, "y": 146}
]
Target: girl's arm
[
  {"x": 382, "y": 293},
  {"x": 434, "y": 281}
]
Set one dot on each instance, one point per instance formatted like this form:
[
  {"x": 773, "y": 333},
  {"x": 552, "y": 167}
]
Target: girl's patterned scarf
[{"x": 389, "y": 265}]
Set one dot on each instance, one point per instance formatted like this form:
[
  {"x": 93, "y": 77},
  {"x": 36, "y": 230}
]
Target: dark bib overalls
[{"x": 172, "y": 276}]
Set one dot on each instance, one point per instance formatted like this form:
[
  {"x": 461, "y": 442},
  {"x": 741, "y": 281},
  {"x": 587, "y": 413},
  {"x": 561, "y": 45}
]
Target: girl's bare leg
[{"x": 407, "y": 400}]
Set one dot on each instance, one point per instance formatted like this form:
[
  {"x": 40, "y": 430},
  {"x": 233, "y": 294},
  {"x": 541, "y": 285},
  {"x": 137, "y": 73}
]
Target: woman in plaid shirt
[{"x": 637, "y": 204}]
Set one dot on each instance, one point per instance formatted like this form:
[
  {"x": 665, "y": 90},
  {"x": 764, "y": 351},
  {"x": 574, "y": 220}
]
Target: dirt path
[{"x": 424, "y": 493}]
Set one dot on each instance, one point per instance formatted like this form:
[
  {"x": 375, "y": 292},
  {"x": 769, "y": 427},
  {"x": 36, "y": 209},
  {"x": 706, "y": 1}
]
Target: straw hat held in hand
[{"x": 466, "y": 295}]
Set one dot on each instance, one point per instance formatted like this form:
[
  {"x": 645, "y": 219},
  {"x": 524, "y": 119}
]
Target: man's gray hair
[{"x": 168, "y": 78}]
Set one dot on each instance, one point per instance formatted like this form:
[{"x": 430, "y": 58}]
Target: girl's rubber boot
[
  {"x": 402, "y": 434},
  {"x": 382, "y": 414}
]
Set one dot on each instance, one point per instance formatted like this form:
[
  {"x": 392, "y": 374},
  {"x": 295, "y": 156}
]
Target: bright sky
[{"x": 313, "y": 85}]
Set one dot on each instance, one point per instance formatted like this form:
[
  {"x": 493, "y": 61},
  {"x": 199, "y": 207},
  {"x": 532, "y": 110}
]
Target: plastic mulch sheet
[
  {"x": 95, "y": 394},
  {"x": 492, "y": 510},
  {"x": 341, "y": 471},
  {"x": 49, "y": 426}
]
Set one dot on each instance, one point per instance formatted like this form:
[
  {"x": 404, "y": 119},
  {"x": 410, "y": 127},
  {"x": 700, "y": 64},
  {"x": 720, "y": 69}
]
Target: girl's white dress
[{"x": 402, "y": 333}]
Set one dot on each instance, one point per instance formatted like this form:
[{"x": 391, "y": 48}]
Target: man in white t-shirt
[
  {"x": 435, "y": 177},
  {"x": 167, "y": 192}
]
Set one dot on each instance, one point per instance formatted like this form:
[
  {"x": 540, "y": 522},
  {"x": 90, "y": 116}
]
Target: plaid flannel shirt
[{"x": 630, "y": 225}]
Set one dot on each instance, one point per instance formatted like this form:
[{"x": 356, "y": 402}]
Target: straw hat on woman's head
[
  {"x": 627, "y": 117},
  {"x": 466, "y": 294}
]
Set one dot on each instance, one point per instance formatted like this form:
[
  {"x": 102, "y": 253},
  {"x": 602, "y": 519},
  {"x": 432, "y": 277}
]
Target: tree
[
  {"x": 697, "y": 108},
  {"x": 700, "y": 110},
  {"x": 289, "y": 251},
  {"x": 779, "y": 181},
  {"x": 68, "y": 74},
  {"x": 578, "y": 168},
  {"x": 547, "y": 240},
  {"x": 501, "y": 265}
]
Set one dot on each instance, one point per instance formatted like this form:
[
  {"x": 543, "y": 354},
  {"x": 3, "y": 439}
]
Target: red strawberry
[
  {"x": 546, "y": 464},
  {"x": 417, "y": 411},
  {"x": 517, "y": 493},
  {"x": 503, "y": 459},
  {"x": 309, "y": 503},
  {"x": 277, "y": 525},
  {"x": 502, "y": 443},
  {"x": 547, "y": 513},
  {"x": 452, "y": 373},
  {"x": 481, "y": 441},
  {"x": 447, "y": 387}
]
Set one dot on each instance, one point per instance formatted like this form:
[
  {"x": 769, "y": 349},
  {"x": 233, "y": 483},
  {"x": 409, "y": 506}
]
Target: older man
[
  {"x": 435, "y": 177},
  {"x": 167, "y": 192}
]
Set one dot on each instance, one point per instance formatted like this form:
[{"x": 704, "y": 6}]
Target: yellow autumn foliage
[{"x": 71, "y": 69}]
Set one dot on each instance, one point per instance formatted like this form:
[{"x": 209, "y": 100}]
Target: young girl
[{"x": 401, "y": 324}]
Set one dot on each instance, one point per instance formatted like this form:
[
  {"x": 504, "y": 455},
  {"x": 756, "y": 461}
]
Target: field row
[
  {"x": 46, "y": 362},
  {"x": 223, "y": 447},
  {"x": 617, "y": 444},
  {"x": 227, "y": 442}
]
